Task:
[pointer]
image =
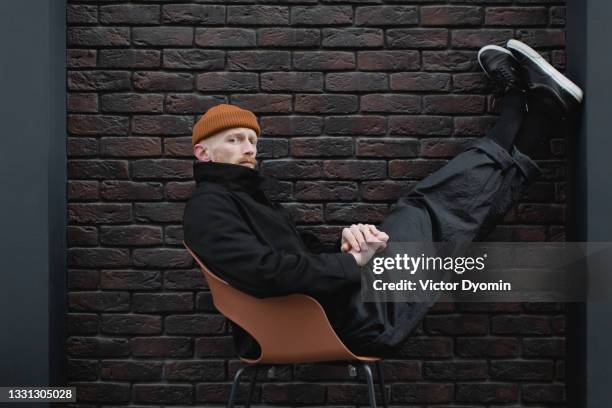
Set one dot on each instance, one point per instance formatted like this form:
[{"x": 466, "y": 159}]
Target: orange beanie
[{"x": 223, "y": 117}]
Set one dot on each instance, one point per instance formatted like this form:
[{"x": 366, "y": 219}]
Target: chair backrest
[{"x": 289, "y": 329}]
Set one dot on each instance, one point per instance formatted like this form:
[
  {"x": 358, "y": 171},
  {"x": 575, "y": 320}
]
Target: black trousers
[{"x": 462, "y": 201}]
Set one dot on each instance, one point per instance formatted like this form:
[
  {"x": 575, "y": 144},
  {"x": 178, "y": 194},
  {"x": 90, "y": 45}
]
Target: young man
[{"x": 252, "y": 243}]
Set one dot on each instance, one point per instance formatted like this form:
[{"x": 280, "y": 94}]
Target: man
[{"x": 251, "y": 242}]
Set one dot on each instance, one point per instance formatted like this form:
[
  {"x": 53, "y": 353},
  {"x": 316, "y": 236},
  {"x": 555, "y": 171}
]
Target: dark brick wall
[{"x": 357, "y": 101}]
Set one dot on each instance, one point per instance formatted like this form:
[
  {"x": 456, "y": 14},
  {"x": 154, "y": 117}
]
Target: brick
[
  {"x": 129, "y": 58},
  {"x": 522, "y": 370},
  {"x": 323, "y": 60},
  {"x": 227, "y": 82},
  {"x": 162, "y": 393},
  {"x": 93, "y": 347},
  {"x": 162, "y": 36},
  {"x": 349, "y": 394},
  {"x": 544, "y": 393},
  {"x": 98, "y": 80},
  {"x": 292, "y": 81},
  {"x": 487, "y": 393},
  {"x": 173, "y": 235},
  {"x": 129, "y": 14},
  {"x": 161, "y": 347},
  {"x": 541, "y": 213},
  {"x": 386, "y": 15},
  {"x": 130, "y": 324},
  {"x": 81, "y": 14},
  {"x": 162, "y": 125},
  {"x": 130, "y": 191},
  {"x": 82, "y": 279},
  {"x": 97, "y": 125},
  {"x": 99, "y": 301},
  {"x": 193, "y": 59},
  {"x": 161, "y": 212},
  {"x": 193, "y": 14},
  {"x": 291, "y": 125},
  {"x": 325, "y": 191},
  {"x": 80, "y": 58},
  {"x": 542, "y": 37},
  {"x": 384, "y": 190},
  {"x": 257, "y": 15},
  {"x": 96, "y": 213},
  {"x": 457, "y": 325},
  {"x": 191, "y": 103},
  {"x": 388, "y": 60},
  {"x": 387, "y": 148},
  {"x": 449, "y": 61},
  {"x": 521, "y": 325},
  {"x": 162, "y": 302},
  {"x": 355, "y": 169},
  {"x": 131, "y": 235},
  {"x": 292, "y": 169},
  {"x": 219, "y": 393},
  {"x": 82, "y": 323},
  {"x": 130, "y": 280},
  {"x": 263, "y": 103},
  {"x": 293, "y": 393},
  {"x": 195, "y": 371},
  {"x": 321, "y": 146},
  {"x": 473, "y": 126},
  {"x": 558, "y": 15},
  {"x": 98, "y": 257},
  {"x": 163, "y": 81},
  {"x": 413, "y": 169},
  {"x": 440, "y": 148},
  {"x": 419, "y": 81},
  {"x": 194, "y": 324},
  {"x": 258, "y": 60},
  {"x": 162, "y": 168},
  {"x": 278, "y": 190},
  {"x": 135, "y": 371},
  {"x": 82, "y": 190},
  {"x": 82, "y": 102},
  {"x": 392, "y": 103},
  {"x": 81, "y": 236},
  {"x": 470, "y": 82},
  {"x": 355, "y": 125},
  {"x": 97, "y": 169},
  {"x": 456, "y": 370},
  {"x": 132, "y": 102},
  {"x": 516, "y": 16},
  {"x": 288, "y": 37},
  {"x": 420, "y": 125},
  {"x": 98, "y": 36},
  {"x": 544, "y": 348},
  {"x": 477, "y": 38},
  {"x": 225, "y": 38},
  {"x": 321, "y": 15},
  {"x": 325, "y": 103},
  {"x": 178, "y": 147},
  {"x": 417, "y": 38},
  {"x": 352, "y": 38},
  {"x": 422, "y": 393},
  {"x": 215, "y": 347},
  {"x": 83, "y": 370},
  {"x": 102, "y": 392},
  {"x": 450, "y": 15}
]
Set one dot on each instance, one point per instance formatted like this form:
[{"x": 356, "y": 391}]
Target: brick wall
[{"x": 357, "y": 101}]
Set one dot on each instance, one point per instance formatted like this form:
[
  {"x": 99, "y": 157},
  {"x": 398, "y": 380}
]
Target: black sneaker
[
  {"x": 502, "y": 68},
  {"x": 544, "y": 80}
]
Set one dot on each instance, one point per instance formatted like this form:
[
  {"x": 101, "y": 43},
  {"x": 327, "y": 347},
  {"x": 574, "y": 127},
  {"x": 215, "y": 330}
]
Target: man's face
[{"x": 232, "y": 146}]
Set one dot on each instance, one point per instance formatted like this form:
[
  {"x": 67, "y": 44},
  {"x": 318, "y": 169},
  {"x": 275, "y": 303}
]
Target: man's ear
[{"x": 201, "y": 152}]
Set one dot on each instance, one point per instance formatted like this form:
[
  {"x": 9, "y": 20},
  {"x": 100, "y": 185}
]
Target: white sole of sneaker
[
  {"x": 561, "y": 79},
  {"x": 491, "y": 47}
]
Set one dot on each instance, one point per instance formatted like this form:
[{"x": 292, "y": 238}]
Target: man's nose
[{"x": 248, "y": 147}]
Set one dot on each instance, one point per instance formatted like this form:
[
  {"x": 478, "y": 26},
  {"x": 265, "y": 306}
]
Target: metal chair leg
[
  {"x": 252, "y": 387},
  {"x": 370, "y": 381},
  {"x": 230, "y": 403},
  {"x": 381, "y": 382}
]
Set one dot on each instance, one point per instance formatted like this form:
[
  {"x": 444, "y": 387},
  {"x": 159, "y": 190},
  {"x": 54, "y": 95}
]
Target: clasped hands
[{"x": 363, "y": 241}]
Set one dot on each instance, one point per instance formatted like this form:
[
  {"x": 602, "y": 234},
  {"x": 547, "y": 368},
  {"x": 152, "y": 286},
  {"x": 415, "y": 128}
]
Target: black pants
[{"x": 462, "y": 201}]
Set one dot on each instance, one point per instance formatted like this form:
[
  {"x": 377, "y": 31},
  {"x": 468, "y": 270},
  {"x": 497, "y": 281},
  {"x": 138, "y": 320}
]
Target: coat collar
[{"x": 233, "y": 176}]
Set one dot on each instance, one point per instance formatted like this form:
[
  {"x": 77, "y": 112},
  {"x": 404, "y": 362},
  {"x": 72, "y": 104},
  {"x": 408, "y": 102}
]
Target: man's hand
[{"x": 357, "y": 236}]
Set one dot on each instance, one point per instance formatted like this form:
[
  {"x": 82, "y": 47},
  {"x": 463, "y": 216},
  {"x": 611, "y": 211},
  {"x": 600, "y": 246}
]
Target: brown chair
[{"x": 289, "y": 329}]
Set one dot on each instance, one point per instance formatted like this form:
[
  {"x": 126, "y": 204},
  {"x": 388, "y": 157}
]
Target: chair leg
[
  {"x": 381, "y": 382},
  {"x": 370, "y": 381},
  {"x": 252, "y": 387},
  {"x": 234, "y": 389}
]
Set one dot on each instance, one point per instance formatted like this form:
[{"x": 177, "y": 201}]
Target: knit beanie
[{"x": 223, "y": 117}]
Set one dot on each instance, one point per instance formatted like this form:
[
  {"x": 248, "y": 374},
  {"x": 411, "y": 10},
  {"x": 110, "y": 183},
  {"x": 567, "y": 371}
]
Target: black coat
[{"x": 250, "y": 242}]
